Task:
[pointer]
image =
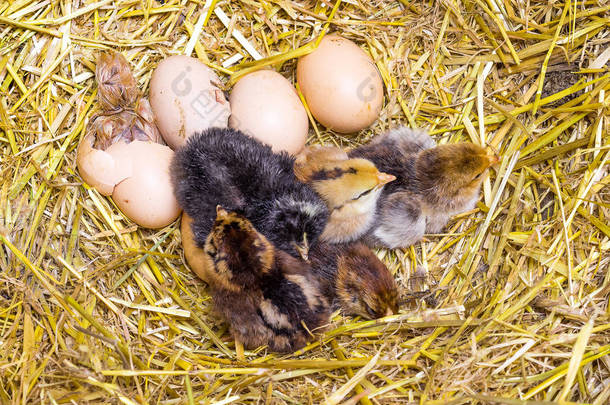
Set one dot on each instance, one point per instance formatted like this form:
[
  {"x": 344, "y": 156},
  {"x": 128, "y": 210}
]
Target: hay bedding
[{"x": 509, "y": 306}]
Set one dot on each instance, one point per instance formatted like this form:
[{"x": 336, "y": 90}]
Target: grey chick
[{"x": 432, "y": 184}]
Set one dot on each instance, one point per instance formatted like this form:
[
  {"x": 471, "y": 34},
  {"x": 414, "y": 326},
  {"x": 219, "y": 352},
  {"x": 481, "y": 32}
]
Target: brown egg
[
  {"x": 192, "y": 253},
  {"x": 146, "y": 196},
  {"x": 185, "y": 99},
  {"x": 341, "y": 85},
  {"x": 265, "y": 105}
]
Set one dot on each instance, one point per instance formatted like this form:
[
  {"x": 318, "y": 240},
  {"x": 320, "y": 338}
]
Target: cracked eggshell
[
  {"x": 341, "y": 85},
  {"x": 100, "y": 169},
  {"x": 265, "y": 105},
  {"x": 192, "y": 253},
  {"x": 146, "y": 196},
  {"x": 185, "y": 99}
]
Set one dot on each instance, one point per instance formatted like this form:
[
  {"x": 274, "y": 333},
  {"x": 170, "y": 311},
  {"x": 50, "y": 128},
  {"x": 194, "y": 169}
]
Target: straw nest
[{"x": 509, "y": 306}]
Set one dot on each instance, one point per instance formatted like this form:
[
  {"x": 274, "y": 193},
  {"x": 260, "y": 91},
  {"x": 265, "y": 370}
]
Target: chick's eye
[
  {"x": 211, "y": 249},
  {"x": 363, "y": 194}
]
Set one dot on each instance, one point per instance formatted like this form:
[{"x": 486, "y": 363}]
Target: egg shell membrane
[{"x": 117, "y": 87}]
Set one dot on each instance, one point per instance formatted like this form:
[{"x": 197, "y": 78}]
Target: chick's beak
[
  {"x": 389, "y": 312},
  {"x": 384, "y": 178},
  {"x": 303, "y": 248}
]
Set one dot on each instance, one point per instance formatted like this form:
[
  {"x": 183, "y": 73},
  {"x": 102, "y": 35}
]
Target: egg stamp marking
[
  {"x": 367, "y": 84},
  {"x": 181, "y": 78}
]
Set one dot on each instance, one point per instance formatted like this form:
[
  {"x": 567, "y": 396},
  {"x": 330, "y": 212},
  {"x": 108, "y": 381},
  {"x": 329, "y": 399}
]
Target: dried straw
[{"x": 509, "y": 306}]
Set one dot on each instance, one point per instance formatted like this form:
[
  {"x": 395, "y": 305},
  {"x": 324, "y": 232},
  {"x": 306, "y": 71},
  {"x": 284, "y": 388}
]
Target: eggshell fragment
[
  {"x": 99, "y": 168},
  {"x": 341, "y": 85},
  {"x": 146, "y": 196},
  {"x": 265, "y": 105},
  {"x": 120, "y": 156},
  {"x": 192, "y": 253},
  {"x": 186, "y": 99}
]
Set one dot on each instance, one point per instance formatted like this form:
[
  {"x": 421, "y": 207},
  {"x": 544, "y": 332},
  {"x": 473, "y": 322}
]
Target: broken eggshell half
[
  {"x": 136, "y": 174},
  {"x": 146, "y": 196},
  {"x": 99, "y": 168}
]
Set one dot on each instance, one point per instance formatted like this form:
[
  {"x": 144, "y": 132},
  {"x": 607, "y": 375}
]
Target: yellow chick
[{"x": 349, "y": 187}]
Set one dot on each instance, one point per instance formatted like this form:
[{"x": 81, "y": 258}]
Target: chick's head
[
  {"x": 297, "y": 221},
  {"x": 365, "y": 286},
  {"x": 315, "y": 157},
  {"x": 452, "y": 174},
  {"x": 236, "y": 254},
  {"x": 351, "y": 181}
]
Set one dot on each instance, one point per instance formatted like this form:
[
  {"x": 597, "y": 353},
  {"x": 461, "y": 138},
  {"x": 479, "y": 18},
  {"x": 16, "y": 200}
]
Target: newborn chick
[
  {"x": 117, "y": 87},
  {"x": 124, "y": 114},
  {"x": 224, "y": 166},
  {"x": 354, "y": 278},
  {"x": 267, "y": 296},
  {"x": 350, "y": 188},
  {"x": 433, "y": 183}
]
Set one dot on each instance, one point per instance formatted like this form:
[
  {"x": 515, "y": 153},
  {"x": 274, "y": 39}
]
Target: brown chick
[
  {"x": 353, "y": 278},
  {"x": 432, "y": 184},
  {"x": 137, "y": 124},
  {"x": 349, "y": 187},
  {"x": 117, "y": 88},
  {"x": 267, "y": 296},
  {"x": 124, "y": 114}
]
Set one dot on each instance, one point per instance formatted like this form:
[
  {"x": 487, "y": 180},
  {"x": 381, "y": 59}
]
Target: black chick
[
  {"x": 224, "y": 166},
  {"x": 267, "y": 296},
  {"x": 432, "y": 184},
  {"x": 352, "y": 277}
]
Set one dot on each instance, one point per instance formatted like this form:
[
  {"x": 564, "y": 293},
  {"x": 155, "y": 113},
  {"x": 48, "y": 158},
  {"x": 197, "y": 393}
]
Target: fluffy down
[
  {"x": 224, "y": 166},
  {"x": 267, "y": 296}
]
